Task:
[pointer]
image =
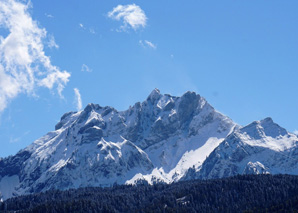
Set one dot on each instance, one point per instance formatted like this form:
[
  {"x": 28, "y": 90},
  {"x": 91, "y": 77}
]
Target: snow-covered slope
[
  {"x": 165, "y": 138},
  {"x": 261, "y": 147},
  {"x": 156, "y": 140}
]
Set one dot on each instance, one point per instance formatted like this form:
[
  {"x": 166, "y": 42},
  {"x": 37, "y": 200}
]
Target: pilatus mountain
[{"x": 162, "y": 139}]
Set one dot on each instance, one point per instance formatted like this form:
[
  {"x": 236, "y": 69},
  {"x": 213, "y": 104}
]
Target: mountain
[
  {"x": 163, "y": 139},
  {"x": 262, "y": 147}
]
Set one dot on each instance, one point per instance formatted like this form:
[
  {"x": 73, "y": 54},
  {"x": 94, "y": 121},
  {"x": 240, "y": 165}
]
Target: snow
[
  {"x": 133, "y": 146},
  {"x": 56, "y": 167},
  {"x": 7, "y": 186},
  {"x": 261, "y": 147},
  {"x": 280, "y": 143},
  {"x": 257, "y": 168},
  {"x": 173, "y": 112},
  {"x": 165, "y": 160},
  {"x": 155, "y": 94},
  {"x": 163, "y": 102}
]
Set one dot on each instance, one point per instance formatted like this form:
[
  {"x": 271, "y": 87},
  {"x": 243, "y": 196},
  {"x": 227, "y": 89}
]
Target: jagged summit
[
  {"x": 265, "y": 127},
  {"x": 154, "y": 95},
  {"x": 161, "y": 139}
]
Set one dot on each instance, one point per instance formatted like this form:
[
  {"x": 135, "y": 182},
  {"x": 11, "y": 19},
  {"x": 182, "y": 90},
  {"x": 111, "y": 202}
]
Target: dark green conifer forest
[{"x": 247, "y": 193}]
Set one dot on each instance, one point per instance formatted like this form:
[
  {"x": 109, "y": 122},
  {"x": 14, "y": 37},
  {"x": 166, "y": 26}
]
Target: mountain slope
[
  {"x": 163, "y": 139},
  {"x": 156, "y": 140},
  {"x": 247, "y": 193},
  {"x": 261, "y": 147}
]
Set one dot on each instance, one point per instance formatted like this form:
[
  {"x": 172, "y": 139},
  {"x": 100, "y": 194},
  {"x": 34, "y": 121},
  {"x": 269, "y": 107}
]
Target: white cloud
[
  {"x": 92, "y": 31},
  {"x": 85, "y": 68},
  {"x": 146, "y": 43},
  {"x": 24, "y": 66},
  {"x": 14, "y": 140},
  {"x": 52, "y": 43},
  {"x": 296, "y": 132},
  {"x": 57, "y": 77},
  {"x": 81, "y": 25},
  {"x": 78, "y": 99},
  {"x": 49, "y": 15},
  {"x": 18, "y": 139},
  {"x": 131, "y": 15}
]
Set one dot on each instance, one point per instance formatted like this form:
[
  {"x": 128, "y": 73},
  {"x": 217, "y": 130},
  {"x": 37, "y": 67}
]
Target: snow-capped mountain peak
[
  {"x": 164, "y": 138},
  {"x": 154, "y": 96},
  {"x": 259, "y": 148},
  {"x": 265, "y": 127}
]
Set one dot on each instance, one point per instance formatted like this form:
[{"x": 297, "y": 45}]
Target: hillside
[{"x": 247, "y": 193}]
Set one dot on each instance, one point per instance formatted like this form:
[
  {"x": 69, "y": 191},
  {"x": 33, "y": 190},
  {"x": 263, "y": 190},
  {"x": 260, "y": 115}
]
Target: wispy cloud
[
  {"x": 81, "y": 25},
  {"x": 296, "y": 132},
  {"x": 14, "y": 140},
  {"x": 78, "y": 99},
  {"x": 18, "y": 139},
  {"x": 23, "y": 63},
  {"x": 147, "y": 43},
  {"x": 85, "y": 68},
  {"x": 131, "y": 15},
  {"x": 52, "y": 43},
  {"x": 90, "y": 29},
  {"x": 49, "y": 15}
]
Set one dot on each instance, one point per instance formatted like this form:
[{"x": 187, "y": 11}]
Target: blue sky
[{"x": 240, "y": 55}]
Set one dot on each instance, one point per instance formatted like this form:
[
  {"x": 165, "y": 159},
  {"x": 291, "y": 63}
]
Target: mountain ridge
[{"x": 162, "y": 139}]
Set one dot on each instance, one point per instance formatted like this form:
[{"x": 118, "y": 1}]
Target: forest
[{"x": 242, "y": 193}]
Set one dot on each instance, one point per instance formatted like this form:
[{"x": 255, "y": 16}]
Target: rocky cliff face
[{"x": 164, "y": 138}]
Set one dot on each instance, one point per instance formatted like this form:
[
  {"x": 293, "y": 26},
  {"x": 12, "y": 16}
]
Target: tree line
[{"x": 242, "y": 193}]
